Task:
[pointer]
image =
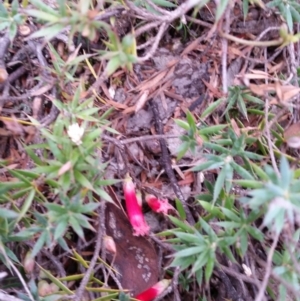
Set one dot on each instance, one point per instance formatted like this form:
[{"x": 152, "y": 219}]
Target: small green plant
[
  {"x": 272, "y": 200},
  {"x": 289, "y": 9},
  {"x": 69, "y": 172},
  {"x": 224, "y": 153},
  {"x": 196, "y": 248},
  {"x": 279, "y": 196},
  {"x": 119, "y": 53},
  {"x": 237, "y": 96},
  {"x": 195, "y": 135},
  {"x": 65, "y": 71},
  {"x": 79, "y": 16},
  {"x": 11, "y": 18}
]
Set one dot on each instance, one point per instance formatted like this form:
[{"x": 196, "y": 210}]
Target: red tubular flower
[
  {"x": 152, "y": 292},
  {"x": 134, "y": 210},
  {"x": 157, "y": 205}
]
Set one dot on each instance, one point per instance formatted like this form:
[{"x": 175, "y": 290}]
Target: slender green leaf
[
  {"x": 211, "y": 108},
  {"x": 219, "y": 184}
]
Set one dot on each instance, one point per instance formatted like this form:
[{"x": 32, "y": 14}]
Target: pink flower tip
[
  {"x": 157, "y": 205},
  {"x": 154, "y": 291},
  {"x": 139, "y": 225},
  {"x": 134, "y": 209}
]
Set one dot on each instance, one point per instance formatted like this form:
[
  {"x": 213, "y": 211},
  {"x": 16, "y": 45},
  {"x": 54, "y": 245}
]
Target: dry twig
[{"x": 260, "y": 296}]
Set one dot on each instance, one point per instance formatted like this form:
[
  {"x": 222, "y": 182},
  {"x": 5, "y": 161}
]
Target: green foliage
[
  {"x": 74, "y": 177},
  {"x": 289, "y": 9},
  {"x": 237, "y": 96},
  {"x": 65, "y": 70},
  {"x": 120, "y": 54},
  {"x": 279, "y": 196},
  {"x": 80, "y": 17},
  {"x": 151, "y": 9},
  {"x": 11, "y": 18},
  {"x": 58, "y": 197},
  {"x": 194, "y": 135},
  {"x": 225, "y": 159},
  {"x": 272, "y": 200},
  {"x": 285, "y": 265},
  {"x": 197, "y": 248}
]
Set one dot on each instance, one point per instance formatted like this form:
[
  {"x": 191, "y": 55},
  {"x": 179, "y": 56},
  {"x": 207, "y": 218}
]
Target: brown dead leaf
[
  {"x": 215, "y": 91},
  {"x": 293, "y": 130},
  {"x": 288, "y": 92},
  {"x": 292, "y": 135},
  {"x": 261, "y": 90},
  {"x": 157, "y": 79},
  {"x": 3, "y": 75},
  {"x": 73, "y": 55},
  {"x": 42, "y": 90},
  {"x": 283, "y": 93},
  {"x": 36, "y": 106},
  {"x": 136, "y": 260},
  {"x": 153, "y": 82},
  {"x": 30, "y": 131},
  {"x": 141, "y": 101},
  {"x": 276, "y": 68},
  {"x": 256, "y": 74},
  {"x": 279, "y": 91},
  {"x": 4, "y": 132},
  {"x": 192, "y": 46},
  {"x": 12, "y": 125},
  {"x": 188, "y": 179},
  {"x": 235, "y": 127}
]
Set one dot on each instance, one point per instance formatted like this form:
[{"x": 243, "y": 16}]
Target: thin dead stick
[
  {"x": 164, "y": 245},
  {"x": 26, "y": 288},
  {"x": 138, "y": 139},
  {"x": 5, "y": 43},
  {"x": 285, "y": 283},
  {"x": 268, "y": 134},
  {"x": 166, "y": 162},
  {"x": 6, "y": 297},
  {"x": 288, "y": 286},
  {"x": 146, "y": 27},
  {"x": 260, "y": 296},
  {"x": 240, "y": 276},
  {"x": 276, "y": 118},
  {"x": 175, "y": 284},
  {"x": 267, "y": 129},
  {"x": 177, "y": 13},
  {"x": 146, "y": 44},
  {"x": 200, "y": 22},
  {"x": 158, "y": 37},
  {"x": 224, "y": 53},
  {"x": 293, "y": 64},
  {"x": 80, "y": 290},
  {"x": 157, "y": 8}
]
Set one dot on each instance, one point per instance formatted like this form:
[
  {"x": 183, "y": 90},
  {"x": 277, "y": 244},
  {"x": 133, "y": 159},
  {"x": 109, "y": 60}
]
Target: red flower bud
[
  {"x": 152, "y": 292},
  {"x": 157, "y": 205},
  {"x": 134, "y": 210}
]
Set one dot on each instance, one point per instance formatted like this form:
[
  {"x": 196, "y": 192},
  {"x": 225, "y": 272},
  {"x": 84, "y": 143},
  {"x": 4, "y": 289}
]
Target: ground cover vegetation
[{"x": 149, "y": 150}]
